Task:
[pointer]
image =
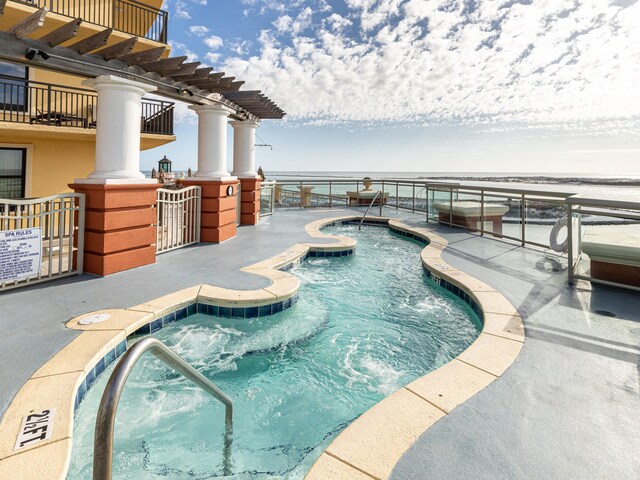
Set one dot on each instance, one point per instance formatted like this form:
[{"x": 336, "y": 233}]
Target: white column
[
  {"x": 119, "y": 110},
  {"x": 212, "y": 141},
  {"x": 244, "y": 149}
]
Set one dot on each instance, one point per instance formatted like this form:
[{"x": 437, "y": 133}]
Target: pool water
[{"x": 364, "y": 326}]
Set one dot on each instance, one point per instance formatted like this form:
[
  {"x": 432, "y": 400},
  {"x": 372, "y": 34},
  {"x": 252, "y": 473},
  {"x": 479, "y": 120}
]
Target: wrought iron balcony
[
  {"x": 38, "y": 103},
  {"x": 128, "y": 16}
]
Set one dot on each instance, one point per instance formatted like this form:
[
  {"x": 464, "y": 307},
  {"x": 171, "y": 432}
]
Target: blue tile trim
[
  {"x": 322, "y": 254},
  {"x": 413, "y": 236},
  {"x": 91, "y": 377},
  {"x": 457, "y": 291}
]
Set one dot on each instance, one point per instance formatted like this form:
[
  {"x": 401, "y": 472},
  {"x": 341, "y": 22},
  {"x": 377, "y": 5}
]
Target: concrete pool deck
[{"x": 576, "y": 389}]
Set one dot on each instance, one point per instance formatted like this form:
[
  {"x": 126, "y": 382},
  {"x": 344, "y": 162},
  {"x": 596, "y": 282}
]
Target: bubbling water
[{"x": 363, "y": 327}]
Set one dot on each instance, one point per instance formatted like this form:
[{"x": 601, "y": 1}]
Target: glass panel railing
[
  {"x": 502, "y": 216},
  {"x": 542, "y": 217}
]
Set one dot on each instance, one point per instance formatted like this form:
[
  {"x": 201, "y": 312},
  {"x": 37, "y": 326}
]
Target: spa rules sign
[{"x": 20, "y": 254}]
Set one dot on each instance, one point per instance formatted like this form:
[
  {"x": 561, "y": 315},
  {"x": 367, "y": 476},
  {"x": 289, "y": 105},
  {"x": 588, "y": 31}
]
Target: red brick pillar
[
  {"x": 120, "y": 231},
  {"x": 250, "y": 201},
  {"x": 219, "y": 208}
]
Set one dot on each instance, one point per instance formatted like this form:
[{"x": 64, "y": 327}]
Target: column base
[
  {"x": 119, "y": 226},
  {"x": 219, "y": 210},
  {"x": 250, "y": 201}
]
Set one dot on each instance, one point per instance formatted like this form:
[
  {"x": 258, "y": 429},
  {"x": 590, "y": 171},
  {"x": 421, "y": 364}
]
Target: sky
[{"x": 529, "y": 86}]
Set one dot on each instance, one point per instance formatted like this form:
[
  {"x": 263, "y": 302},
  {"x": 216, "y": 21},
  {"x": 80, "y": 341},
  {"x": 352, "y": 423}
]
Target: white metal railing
[
  {"x": 41, "y": 239},
  {"x": 239, "y": 204},
  {"x": 178, "y": 218},
  {"x": 531, "y": 216}
]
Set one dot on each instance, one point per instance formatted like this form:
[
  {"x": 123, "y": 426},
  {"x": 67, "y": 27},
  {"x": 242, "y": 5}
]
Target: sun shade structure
[{"x": 107, "y": 52}]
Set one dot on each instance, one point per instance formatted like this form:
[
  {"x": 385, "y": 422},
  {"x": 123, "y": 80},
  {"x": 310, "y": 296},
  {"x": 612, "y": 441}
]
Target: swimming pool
[{"x": 364, "y": 326}]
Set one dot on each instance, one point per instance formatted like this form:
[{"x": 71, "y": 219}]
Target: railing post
[
  {"x": 80, "y": 246},
  {"x": 481, "y": 212},
  {"x": 413, "y": 209},
  {"x": 570, "y": 241},
  {"x": 397, "y": 196},
  {"x": 426, "y": 200},
  {"x": 523, "y": 218},
  {"x": 48, "y": 104},
  {"x": 330, "y": 196},
  {"x": 451, "y": 206}
]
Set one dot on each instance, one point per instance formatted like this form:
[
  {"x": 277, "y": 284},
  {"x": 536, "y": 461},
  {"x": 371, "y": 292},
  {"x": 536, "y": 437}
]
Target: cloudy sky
[{"x": 426, "y": 85}]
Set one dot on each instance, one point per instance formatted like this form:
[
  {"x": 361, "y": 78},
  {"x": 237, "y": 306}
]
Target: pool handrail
[
  {"x": 373, "y": 200},
  {"x": 105, "y": 419}
]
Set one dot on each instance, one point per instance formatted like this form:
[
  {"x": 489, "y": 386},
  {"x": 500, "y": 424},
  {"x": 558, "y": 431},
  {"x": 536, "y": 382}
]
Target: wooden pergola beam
[
  {"x": 143, "y": 56},
  {"x": 172, "y": 63},
  {"x": 117, "y": 49},
  {"x": 246, "y": 94},
  {"x": 231, "y": 87},
  {"x": 63, "y": 33},
  {"x": 92, "y": 42},
  {"x": 184, "y": 69},
  {"x": 27, "y": 26},
  {"x": 226, "y": 81},
  {"x": 198, "y": 74},
  {"x": 211, "y": 79},
  {"x": 203, "y": 84},
  {"x": 68, "y": 60}
]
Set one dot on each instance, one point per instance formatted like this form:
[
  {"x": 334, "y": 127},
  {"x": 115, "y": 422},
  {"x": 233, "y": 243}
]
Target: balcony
[
  {"x": 127, "y": 16},
  {"x": 38, "y": 103}
]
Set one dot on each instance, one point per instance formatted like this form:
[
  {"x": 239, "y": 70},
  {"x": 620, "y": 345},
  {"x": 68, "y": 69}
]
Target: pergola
[{"x": 91, "y": 56}]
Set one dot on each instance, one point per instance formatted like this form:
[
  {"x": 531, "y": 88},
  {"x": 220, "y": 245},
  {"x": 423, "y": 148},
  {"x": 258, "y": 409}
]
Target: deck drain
[
  {"x": 96, "y": 318},
  {"x": 606, "y": 313}
]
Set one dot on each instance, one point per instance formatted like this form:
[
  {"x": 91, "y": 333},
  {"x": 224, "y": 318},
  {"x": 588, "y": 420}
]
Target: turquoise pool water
[{"x": 364, "y": 326}]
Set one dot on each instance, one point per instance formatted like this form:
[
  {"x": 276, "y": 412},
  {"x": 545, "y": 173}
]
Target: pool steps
[{"x": 368, "y": 448}]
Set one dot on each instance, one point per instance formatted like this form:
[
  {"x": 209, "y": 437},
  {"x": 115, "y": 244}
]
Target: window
[
  {"x": 13, "y": 86},
  {"x": 13, "y": 162}
]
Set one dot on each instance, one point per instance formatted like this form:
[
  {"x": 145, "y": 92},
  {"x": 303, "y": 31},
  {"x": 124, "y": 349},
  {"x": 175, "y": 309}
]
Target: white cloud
[
  {"x": 213, "y": 42},
  {"x": 443, "y": 61},
  {"x": 180, "y": 49},
  {"x": 198, "y": 30},
  {"x": 239, "y": 47},
  {"x": 182, "y": 10},
  {"x": 212, "y": 57},
  {"x": 283, "y": 23},
  {"x": 338, "y": 22}
]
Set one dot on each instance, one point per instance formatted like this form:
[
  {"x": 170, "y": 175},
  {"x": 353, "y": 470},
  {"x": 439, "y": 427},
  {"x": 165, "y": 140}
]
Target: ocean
[{"x": 626, "y": 187}]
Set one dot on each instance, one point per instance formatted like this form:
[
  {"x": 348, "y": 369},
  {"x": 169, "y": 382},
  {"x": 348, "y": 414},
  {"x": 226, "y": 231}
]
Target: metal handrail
[
  {"x": 369, "y": 208},
  {"x": 105, "y": 420}
]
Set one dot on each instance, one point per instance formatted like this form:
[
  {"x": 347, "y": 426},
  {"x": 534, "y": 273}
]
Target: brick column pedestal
[
  {"x": 219, "y": 210},
  {"x": 250, "y": 201},
  {"x": 119, "y": 226}
]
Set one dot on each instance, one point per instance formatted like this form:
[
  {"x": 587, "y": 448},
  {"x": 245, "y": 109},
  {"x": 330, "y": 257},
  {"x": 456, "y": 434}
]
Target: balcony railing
[
  {"x": 38, "y": 103},
  {"x": 128, "y": 16}
]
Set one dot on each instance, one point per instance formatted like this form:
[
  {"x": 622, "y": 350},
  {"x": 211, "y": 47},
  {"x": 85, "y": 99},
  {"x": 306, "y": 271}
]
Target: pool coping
[
  {"x": 371, "y": 446},
  {"x": 61, "y": 382}
]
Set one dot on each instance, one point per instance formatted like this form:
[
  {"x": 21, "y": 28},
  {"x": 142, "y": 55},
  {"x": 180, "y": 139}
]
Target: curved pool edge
[
  {"x": 352, "y": 454},
  {"x": 372, "y": 445},
  {"x": 55, "y": 385}
]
